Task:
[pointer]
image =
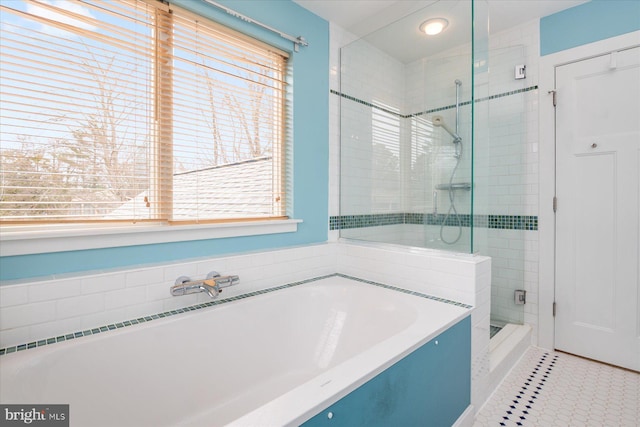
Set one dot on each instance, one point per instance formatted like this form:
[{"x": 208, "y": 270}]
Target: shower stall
[{"x": 430, "y": 129}]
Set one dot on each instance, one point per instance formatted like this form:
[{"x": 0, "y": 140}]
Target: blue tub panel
[{"x": 429, "y": 387}]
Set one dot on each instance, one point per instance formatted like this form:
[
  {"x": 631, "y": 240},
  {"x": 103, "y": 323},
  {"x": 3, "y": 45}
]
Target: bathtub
[{"x": 274, "y": 359}]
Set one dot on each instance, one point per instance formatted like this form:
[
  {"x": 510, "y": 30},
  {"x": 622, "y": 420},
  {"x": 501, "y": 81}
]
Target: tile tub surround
[
  {"x": 31, "y": 311},
  {"x": 34, "y": 311},
  {"x": 144, "y": 319}
]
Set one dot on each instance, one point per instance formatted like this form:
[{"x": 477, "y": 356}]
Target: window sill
[{"x": 45, "y": 239}]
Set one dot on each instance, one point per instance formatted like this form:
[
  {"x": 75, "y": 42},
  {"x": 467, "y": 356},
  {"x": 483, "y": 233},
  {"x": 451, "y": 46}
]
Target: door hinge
[
  {"x": 553, "y": 93},
  {"x": 555, "y": 204},
  {"x": 554, "y": 309}
]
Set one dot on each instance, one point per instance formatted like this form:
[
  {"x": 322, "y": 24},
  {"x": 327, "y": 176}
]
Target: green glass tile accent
[
  {"x": 502, "y": 222},
  {"x": 405, "y": 291}
]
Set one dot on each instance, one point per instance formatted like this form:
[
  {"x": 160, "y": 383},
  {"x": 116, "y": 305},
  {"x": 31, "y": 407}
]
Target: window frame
[{"x": 33, "y": 237}]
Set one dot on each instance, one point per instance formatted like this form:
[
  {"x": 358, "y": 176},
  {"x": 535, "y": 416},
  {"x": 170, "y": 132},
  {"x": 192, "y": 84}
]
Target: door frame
[{"x": 547, "y": 171}]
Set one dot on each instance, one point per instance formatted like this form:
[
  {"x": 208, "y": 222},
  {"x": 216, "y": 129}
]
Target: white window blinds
[{"x": 135, "y": 111}]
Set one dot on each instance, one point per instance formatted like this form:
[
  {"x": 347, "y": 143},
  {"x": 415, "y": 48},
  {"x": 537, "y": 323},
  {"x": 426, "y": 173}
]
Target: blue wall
[
  {"x": 311, "y": 152},
  {"x": 588, "y": 23}
]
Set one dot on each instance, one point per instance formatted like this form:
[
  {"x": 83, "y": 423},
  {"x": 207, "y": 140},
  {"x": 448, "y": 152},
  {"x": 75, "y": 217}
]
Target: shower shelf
[{"x": 454, "y": 186}]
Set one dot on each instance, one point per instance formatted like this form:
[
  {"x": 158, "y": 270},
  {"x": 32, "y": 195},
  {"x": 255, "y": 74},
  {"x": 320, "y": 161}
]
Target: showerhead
[
  {"x": 439, "y": 122},
  {"x": 458, "y": 82}
]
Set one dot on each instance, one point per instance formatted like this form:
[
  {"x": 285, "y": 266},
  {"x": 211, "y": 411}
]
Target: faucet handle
[
  {"x": 227, "y": 281},
  {"x": 212, "y": 275},
  {"x": 181, "y": 280},
  {"x": 222, "y": 281}
]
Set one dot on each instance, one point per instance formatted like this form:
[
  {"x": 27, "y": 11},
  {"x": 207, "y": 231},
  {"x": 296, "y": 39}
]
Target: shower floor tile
[{"x": 547, "y": 388}]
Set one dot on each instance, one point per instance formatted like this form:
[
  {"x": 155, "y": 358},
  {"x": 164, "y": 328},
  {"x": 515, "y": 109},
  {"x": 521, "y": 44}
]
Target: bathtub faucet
[{"x": 212, "y": 285}]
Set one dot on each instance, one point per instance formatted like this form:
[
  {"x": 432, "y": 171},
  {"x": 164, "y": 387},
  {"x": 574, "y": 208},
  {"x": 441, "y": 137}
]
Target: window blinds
[{"x": 136, "y": 111}]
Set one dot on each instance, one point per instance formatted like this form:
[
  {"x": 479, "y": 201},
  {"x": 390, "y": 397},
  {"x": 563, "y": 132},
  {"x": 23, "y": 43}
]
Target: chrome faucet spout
[{"x": 213, "y": 291}]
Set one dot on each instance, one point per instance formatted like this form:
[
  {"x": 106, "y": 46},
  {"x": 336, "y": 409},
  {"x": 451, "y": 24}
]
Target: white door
[{"x": 597, "y": 220}]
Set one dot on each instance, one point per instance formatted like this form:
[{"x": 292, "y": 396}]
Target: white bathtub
[{"x": 273, "y": 359}]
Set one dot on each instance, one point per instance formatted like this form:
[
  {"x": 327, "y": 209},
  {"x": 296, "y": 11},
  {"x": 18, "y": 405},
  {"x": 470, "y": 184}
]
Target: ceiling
[{"x": 392, "y": 25}]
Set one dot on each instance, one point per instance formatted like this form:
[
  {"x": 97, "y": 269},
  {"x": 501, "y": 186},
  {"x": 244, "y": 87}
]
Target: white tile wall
[
  {"x": 106, "y": 297},
  {"x": 41, "y": 309}
]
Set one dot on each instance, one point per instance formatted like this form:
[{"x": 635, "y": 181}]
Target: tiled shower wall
[{"x": 506, "y": 158}]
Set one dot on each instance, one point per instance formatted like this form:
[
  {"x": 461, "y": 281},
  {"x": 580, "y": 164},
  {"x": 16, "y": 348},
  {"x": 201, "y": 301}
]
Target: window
[{"x": 136, "y": 111}]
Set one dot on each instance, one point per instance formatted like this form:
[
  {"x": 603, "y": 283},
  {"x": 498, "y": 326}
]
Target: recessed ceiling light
[{"x": 434, "y": 26}]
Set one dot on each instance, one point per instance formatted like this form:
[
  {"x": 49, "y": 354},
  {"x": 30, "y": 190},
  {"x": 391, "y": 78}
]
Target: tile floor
[{"x": 548, "y": 388}]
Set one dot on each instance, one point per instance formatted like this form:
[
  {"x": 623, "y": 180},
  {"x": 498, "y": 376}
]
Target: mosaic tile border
[
  {"x": 499, "y": 222},
  {"x": 362, "y": 221},
  {"x": 432, "y": 110},
  {"x": 406, "y": 291},
  {"x": 367, "y": 104},
  {"x": 486, "y": 98},
  {"x": 145, "y": 319}
]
